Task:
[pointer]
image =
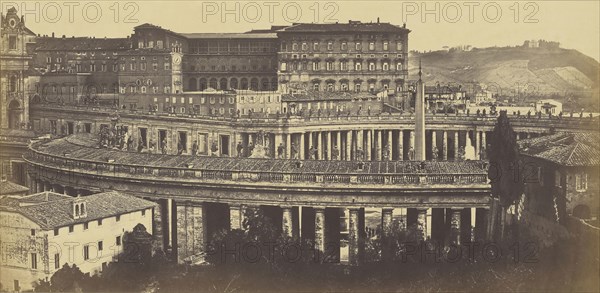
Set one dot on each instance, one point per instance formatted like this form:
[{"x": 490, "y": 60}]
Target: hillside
[{"x": 564, "y": 74}]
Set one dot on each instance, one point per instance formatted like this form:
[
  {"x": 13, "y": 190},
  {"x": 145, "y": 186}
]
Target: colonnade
[
  {"x": 374, "y": 144},
  {"x": 186, "y": 227}
]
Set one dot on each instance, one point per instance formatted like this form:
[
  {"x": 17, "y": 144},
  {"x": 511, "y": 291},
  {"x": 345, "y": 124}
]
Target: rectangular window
[
  {"x": 118, "y": 218},
  {"x": 372, "y": 46},
  {"x": 57, "y": 261},
  {"x": 143, "y": 213},
  {"x": 118, "y": 241},
  {"x": 330, "y": 46},
  {"x": 55, "y": 231},
  {"x": 100, "y": 246},
  {"x": 32, "y": 232},
  {"x": 12, "y": 42},
  {"x": 357, "y": 46},
  {"x": 34, "y": 261},
  {"x": 344, "y": 46},
  {"x": 385, "y": 46},
  {"x": 71, "y": 229},
  {"x": 99, "y": 222},
  {"x": 85, "y": 226},
  {"x": 581, "y": 182},
  {"x": 86, "y": 252}
]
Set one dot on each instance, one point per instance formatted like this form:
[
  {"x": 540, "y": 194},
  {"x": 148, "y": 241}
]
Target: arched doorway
[{"x": 14, "y": 114}]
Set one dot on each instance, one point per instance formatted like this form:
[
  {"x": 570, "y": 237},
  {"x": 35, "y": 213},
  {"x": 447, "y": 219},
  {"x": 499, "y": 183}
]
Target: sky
[{"x": 434, "y": 24}]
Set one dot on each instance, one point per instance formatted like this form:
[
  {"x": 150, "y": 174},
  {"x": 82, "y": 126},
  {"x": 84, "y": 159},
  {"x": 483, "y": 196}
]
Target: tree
[
  {"x": 66, "y": 279},
  {"x": 504, "y": 170}
]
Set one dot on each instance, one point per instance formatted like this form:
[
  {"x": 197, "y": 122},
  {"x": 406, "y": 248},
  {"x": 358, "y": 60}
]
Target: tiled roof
[
  {"x": 51, "y": 210},
  {"x": 82, "y": 44},
  {"x": 230, "y": 35},
  {"x": 7, "y": 187},
  {"x": 566, "y": 149},
  {"x": 82, "y": 146},
  {"x": 311, "y": 95},
  {"x": 352, "y": 26}
]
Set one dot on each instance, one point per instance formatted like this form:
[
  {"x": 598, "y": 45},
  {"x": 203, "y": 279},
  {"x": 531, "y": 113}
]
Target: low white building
[
  {"x": 548, "y": 106},
  {"x": 43, "y": 231}
]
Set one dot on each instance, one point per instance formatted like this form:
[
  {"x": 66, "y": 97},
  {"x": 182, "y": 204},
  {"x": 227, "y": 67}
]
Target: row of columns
[
  {"x": 37, "y": 186},
  {"x": 377, "y": 145},
  {"x": 185, "y": 227}
]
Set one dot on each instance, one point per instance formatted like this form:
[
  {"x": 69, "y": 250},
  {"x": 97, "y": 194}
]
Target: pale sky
[{"x": 575, "y": 24}]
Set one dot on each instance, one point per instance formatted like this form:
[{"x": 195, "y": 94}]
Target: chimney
[
  {"x": 52, "y": 34},
  {"x": 377, "y": 19}
]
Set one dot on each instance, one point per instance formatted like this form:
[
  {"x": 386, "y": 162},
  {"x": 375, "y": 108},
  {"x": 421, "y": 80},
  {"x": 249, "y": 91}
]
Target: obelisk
[{"x": 420, "y": 119}]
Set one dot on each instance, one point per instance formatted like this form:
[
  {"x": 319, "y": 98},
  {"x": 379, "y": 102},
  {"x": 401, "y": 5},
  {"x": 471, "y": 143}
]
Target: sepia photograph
[{"x": 299, "y": 146}]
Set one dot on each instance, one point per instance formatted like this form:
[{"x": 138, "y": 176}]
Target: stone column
[
  {"x": 477, "y": 145},
  {"x": 455, "y": 226},
  {"x": 412, "y": 139},
  {"x": 288, "y": 146},
  {"x": 320, "y": 229},
  {"x": 378, "y": 147},
  {"x": 354, "y": 237},
  {"x": 360, "y": 142},
  {"x": 483, "y": 140},
  {"x": 328, "y": 144},
  {"x": 320, "y": 146},
  {"x": 473, "y": 214},
  {"x": 236, "y": 216},
  {"x": 302, "y": 154},
  {"x": 286, "y": 221},
  {"x": 400, "y": 145},
  {"x": 386, "y": 220},
  {"x": 278, "y": 141},
  {"x": 311, "y": 143},
  {"x": 191, "y": 232},
  {"x": 368, "y": 147},
  {"x": 338, "y": 141},
  {"x": 157, "y": 224},
  {"x": 422, "y": 224},
  {"x": 456, "y": 145},
  {"x": 445, "y": 145},
  {"x": 390, "y": 145},
  {"x": 349, "y": 145},
  {"x": 429, "y": 223},
  {"x": 433, "y": 142}
]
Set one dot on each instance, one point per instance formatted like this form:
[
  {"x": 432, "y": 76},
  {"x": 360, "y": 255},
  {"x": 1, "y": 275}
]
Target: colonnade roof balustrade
[
  {"x": 80, "y": 154},
  {"x": 543, "y": 124}
]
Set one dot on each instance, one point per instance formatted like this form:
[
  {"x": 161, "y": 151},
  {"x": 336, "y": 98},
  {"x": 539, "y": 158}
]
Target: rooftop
[
  {"x": 81, "y": 44},
  {"x": 566, "y": 149},
  {"x": 311, "y": 95},
  {"x": 83, "y": 147},
  {"x": 7, "y": 188},
  {"x": 253, "y": 35},
  {"x": 351, "y": 26},
  {"x": 52, "y": 210}
]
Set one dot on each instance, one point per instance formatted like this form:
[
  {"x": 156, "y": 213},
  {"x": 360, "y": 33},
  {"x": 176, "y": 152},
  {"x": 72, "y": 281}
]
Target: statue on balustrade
[
  {"x": 335, "y": 153},
  {"x": 280, "y": 151},
  {"x": 386, "y": 152},
  {"x": 411, "y": 154},
  {"x": 294, "y": 151},
  {"x": 214, "y": 148},
  {"x": 163, "y": 146},
  {"x": 434, "y": 153},
  {"x": 130, "y": 143},
  {"x": 194, "y": 148},
  {"x": 240, "y": 149},
  {"x": 360, "y": 154}
]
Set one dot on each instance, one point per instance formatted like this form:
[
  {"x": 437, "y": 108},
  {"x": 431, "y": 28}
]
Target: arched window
[
  {"x": 223, "y": 84},
  {"x": 244, "y": 84},
  {"x": 264, "y": 83},
  {"x": 213, "y": 83},
  {"x": 192, "y": 84},
  {"x": 254, "y": 83},
  {"x": 357, "y": 66},
  {"x": 233, "y": 83},
  {"x": 76, "y": 210},
  {"x": 202, "y": 83},
  {"x": 82, "y": 209}
]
